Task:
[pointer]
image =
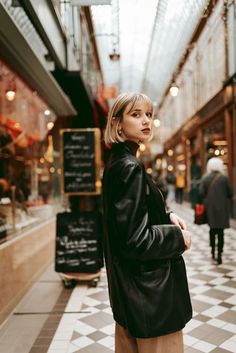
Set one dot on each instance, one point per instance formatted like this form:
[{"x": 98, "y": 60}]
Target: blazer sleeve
[{"x": 138, "y": 239}]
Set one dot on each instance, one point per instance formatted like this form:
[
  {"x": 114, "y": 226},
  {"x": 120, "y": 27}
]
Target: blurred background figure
[
  {"x": 179, "y": 186},
  {"x": 170, "y": 180},
  {"x": 161, "y": 183},
  {"x": 195, "y": 173},
  {"x": 217, "y": 193}
]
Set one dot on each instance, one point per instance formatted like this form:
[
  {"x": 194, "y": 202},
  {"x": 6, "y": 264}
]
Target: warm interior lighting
[
  {"x": 50, "y": 125},
  {"x": 219, "y": 143},
  {"x": 47, "y": 112},
  {"x": 180, "y": 157},
  {"x": 174, "y": 90},
  {"x": 182, "y": 167},
  {"x": 10, "y": 95},
  {"x": 142, "y": 147},
  {"x": 156, "y": 122},
  {"x": 211, "y": 150},
  {"x": 158, "y": 163},
  {"x": 50, "y": 150},
  {"x": 170, "y": 152}
]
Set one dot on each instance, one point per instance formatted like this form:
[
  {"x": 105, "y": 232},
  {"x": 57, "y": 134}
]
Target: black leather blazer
[{"x": 147, "y": 280}]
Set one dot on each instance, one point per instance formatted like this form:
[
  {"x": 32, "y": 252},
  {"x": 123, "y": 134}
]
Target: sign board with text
[
  {"x": 81, "y": 161},
  {"x": 78, "y": 242}
]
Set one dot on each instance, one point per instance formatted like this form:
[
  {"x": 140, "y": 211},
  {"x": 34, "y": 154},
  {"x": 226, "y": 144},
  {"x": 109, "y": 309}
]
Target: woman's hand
[
  {"x": 187, "y": 239},
  {"x": 176, "y": 220}
]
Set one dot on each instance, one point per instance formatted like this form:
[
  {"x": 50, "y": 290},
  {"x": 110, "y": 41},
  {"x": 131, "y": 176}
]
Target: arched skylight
[{"x": 150, "y": 36}]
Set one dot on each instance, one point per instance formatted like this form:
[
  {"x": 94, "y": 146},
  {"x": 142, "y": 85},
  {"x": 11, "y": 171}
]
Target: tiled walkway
[{"x": 86, "y": 325}]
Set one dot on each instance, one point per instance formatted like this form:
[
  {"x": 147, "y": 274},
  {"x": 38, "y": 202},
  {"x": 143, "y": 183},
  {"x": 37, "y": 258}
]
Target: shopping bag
[{"x": 200, "y": 216}]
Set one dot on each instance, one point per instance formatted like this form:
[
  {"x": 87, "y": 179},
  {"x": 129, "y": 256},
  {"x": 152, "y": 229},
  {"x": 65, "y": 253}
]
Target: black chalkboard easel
[
  {"x": 78, "y": 243},
  {"x": 78, "y": 232},
  {"x": 80, "y": 161}
]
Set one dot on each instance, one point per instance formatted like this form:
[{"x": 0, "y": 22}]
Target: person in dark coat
[
  {"x": 195, "y": 171},
  {"x": 217, "y": 193},
  {"x": 143, "y": 244},
  {"x": 161, "y": 183}
]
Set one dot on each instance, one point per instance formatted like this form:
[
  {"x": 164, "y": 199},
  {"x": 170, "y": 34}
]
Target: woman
[
  {"x": 217, "y": 192},
  {"x": 143, "y": 244}
]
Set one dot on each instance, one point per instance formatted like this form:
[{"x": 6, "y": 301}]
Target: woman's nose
[{"x": 145, "y": 119}]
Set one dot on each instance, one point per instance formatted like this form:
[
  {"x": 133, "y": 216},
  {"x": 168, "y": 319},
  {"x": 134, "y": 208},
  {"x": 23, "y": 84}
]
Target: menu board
[
  {"x": 81, "y": 161},
  {"x": 78, "y": 242}
]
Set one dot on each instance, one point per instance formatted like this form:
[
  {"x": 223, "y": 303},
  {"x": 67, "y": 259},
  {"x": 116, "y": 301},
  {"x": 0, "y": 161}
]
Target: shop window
[
  {"x": 27, "y": 167},
  {"x": 215, "y": 141},
  {"x": 180, "y": 158}
]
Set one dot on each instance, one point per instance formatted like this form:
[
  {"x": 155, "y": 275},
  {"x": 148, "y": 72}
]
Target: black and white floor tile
[{"x": 87, "y": 325}]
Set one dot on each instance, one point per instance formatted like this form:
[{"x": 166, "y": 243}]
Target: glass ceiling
[{"x": 151, "y": 38}]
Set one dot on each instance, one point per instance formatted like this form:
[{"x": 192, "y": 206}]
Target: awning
[
  {"x": 82, "y": 100},
  {"x": 16, "y": 51}
]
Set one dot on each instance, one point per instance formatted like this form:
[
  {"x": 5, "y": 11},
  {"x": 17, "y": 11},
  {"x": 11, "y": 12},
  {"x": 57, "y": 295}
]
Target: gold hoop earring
[{"x": 119, "y": 131}]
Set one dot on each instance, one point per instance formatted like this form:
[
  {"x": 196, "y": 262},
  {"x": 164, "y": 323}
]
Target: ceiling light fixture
[
  {"x": 10, "y": 95},
  {"x": 114, "y": 56},
  {"x": 156, "y": 122},
  {"x": 47, "y": 112},
  {"x": 174, "y": 90}
]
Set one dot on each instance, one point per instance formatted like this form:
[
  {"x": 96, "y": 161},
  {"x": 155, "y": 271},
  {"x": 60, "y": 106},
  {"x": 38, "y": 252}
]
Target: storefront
[
  {"x": 209, "y": 133},
  {"x": 26, "y": 155}
]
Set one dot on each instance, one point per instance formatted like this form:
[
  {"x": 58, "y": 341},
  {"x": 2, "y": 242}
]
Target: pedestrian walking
[
  {"x": 217, "y": 193},
  {"x": 195, "y": 172},
  {"x": 179, "y": 187},
  {"x": 143, "y": 244},
  {"x": 161, "y": 183},
  {"x": 171, "y": 180}
]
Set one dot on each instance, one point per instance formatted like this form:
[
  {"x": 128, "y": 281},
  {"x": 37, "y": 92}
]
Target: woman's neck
[{"x": 133, "y": 146}]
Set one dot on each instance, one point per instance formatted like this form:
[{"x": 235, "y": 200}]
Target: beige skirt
[{"x": 171, "y": 343}]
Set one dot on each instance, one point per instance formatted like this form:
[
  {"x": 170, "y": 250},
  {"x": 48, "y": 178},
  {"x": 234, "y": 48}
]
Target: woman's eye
[
  {"x": 149, "y": 115},
  {"x": 135, "y": 115}
]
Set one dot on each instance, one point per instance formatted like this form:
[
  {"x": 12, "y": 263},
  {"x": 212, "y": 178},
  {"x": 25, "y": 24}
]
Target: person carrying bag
[
  {"x": 217, "y": 193},
  {"x": 200, "y": 212}
]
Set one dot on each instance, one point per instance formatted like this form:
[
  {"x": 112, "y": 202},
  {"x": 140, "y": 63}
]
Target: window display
[
  {"x": 26, "y": 155},
  {"x": 215, "y": 140}
]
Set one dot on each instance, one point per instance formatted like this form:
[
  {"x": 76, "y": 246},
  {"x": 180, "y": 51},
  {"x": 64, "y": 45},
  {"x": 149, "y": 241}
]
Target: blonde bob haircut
[{"x": 116, "y": 112}]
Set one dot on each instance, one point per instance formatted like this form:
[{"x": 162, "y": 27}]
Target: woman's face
[{"x": 136, "y": 124}]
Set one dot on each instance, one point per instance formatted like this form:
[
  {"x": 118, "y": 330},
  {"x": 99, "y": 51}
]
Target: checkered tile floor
[{"x": 87, "y": 325}]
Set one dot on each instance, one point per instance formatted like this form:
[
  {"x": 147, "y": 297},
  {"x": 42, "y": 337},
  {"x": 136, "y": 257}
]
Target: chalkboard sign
[
  {"x": 81, "y": 161},
  {"x": 78, "y": 242}
]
